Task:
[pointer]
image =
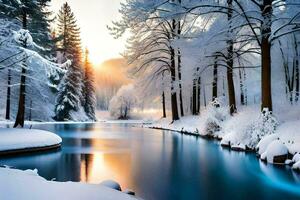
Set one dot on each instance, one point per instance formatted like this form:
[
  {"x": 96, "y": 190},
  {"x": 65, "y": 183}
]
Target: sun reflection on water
[{"x": 98, "y": 167}]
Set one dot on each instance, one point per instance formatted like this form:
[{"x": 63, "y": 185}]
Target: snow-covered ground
[
  {"x": 28, "y": 185},
  {"x": 275, "y": 136},
  {"x": 16, "y": 139}
]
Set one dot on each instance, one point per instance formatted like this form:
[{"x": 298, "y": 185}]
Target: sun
[{"x": 95, "y": 58}]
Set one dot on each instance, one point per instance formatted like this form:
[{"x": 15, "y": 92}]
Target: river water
[{"x": 158, "y": 165}]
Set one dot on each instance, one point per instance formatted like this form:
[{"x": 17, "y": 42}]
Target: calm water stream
[{"x": 158, "y": 165}]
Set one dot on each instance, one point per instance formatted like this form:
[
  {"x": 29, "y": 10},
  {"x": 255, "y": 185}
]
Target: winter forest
[
  {"x": 133, "y": 94},
  {"x": 40, "y": 66}
]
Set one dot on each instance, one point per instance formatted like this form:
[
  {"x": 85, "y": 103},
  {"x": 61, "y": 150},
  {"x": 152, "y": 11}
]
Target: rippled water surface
[{"x": 158, "y": 165}]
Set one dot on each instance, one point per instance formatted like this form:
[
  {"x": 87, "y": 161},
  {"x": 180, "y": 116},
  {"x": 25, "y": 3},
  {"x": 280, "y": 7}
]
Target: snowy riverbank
[
  {"x": 28, "y": 185},
  {"x": 275, "y": 137},
  {"x": 23, "y": 140}
]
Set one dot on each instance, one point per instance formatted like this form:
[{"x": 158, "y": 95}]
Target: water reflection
[{"x": 158, "y": 164}]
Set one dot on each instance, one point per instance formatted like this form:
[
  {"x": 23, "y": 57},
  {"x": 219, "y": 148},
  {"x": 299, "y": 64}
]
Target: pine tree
[
  {"x": 40, "y": 30},
  {"x": 89, "y": 97},
  {"x": 38, "y": 20},
  {"x": 68, "y": 35},
  {"x": 70, "y": 92},
  {"x": 68, "y": 98}
]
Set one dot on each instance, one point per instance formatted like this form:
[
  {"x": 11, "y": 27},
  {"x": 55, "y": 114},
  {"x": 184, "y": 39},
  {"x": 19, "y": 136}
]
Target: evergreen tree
[
  {"x": 40, "y": 30},
  {"x": 89, "y": 96},
  {"x": 68, "y": 35},
  {"x": 9, "y": 8},
  {"x": 70, "y": 92},
  {"x": 68, "y": 98},
  {"x": 38, "y": 20}
]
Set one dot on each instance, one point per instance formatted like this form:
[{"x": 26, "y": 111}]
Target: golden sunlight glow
[
  {"x": 93, "y": 18},
  {"x": 96, "y": 59},
  {"x": 103, "y": 166}
]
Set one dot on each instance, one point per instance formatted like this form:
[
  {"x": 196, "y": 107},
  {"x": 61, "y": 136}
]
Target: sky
[{"x": 93, "y": 16}]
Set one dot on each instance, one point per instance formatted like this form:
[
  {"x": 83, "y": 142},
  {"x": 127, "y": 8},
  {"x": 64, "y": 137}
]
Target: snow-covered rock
[
  {"x": 239, "y": 147},
  {"x": 111, "y": 184},
  {"x": 275, "y": 150},
  {"x": 264, "y": 143},
  {"x": 296, "y": 166},
  {"x": 296, "y": 158},
  {"x": 296, "y": 161}
]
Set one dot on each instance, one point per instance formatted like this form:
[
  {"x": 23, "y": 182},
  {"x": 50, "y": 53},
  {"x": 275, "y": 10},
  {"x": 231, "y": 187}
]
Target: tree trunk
[
  {"x": 241, "y": 88},
  {"x": 8, "y": 95},
  {"x": 199, "y": 96},
  {"x": 30, "y": 112},
  {"x": 164, "y": 105},
  {"x": 204, "y": 96},
  {"x": 224, "y": 93},
  {"x": 215, "y": 81},
  {"x": 194, "y": 98},
  {"x": 231, "y": 91},
  {"x": 266, "y": 88},
  {"x": 180, "y": 84},
  {"x": 297, "y": 75},
  {"x": 245, "y": 88},
  {"x": 21, "y": 107},
  {"x": 174, "y": 106},
  {"x": 178, "y": 27}
]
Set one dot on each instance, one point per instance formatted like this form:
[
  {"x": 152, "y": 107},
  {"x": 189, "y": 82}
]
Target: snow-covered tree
[
  {"x": 68, "y": 97},
  {"x": 152, "y": 48},
  {"x": 123, "y": 102},
  {"x": 40, "y": 29}
]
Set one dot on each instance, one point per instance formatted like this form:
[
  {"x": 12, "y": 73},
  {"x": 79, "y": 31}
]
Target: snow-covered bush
[
  {"x": 121, "y": 104},
  {"x": 248, "y": 127},
  {"x": 217, "y": 113},
  {"x": 265, "y": 125}
]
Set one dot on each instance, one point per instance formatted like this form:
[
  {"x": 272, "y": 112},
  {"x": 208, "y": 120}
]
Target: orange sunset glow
[{"x": 93, "y": 18}]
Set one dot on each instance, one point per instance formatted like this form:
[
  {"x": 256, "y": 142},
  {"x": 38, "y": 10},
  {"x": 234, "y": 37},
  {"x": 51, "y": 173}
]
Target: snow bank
[
  {"x": 288, "y": 133},
  {"x": 15, "y": 139},
  {"x": 28, "y": 185}
]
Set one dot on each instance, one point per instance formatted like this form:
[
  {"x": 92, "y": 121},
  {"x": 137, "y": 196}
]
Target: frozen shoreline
[{"x": 245, "y": 132}]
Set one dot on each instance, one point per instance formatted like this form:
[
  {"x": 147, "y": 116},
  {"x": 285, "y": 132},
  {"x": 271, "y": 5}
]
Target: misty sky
[{"x": 93, "y": 16}]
